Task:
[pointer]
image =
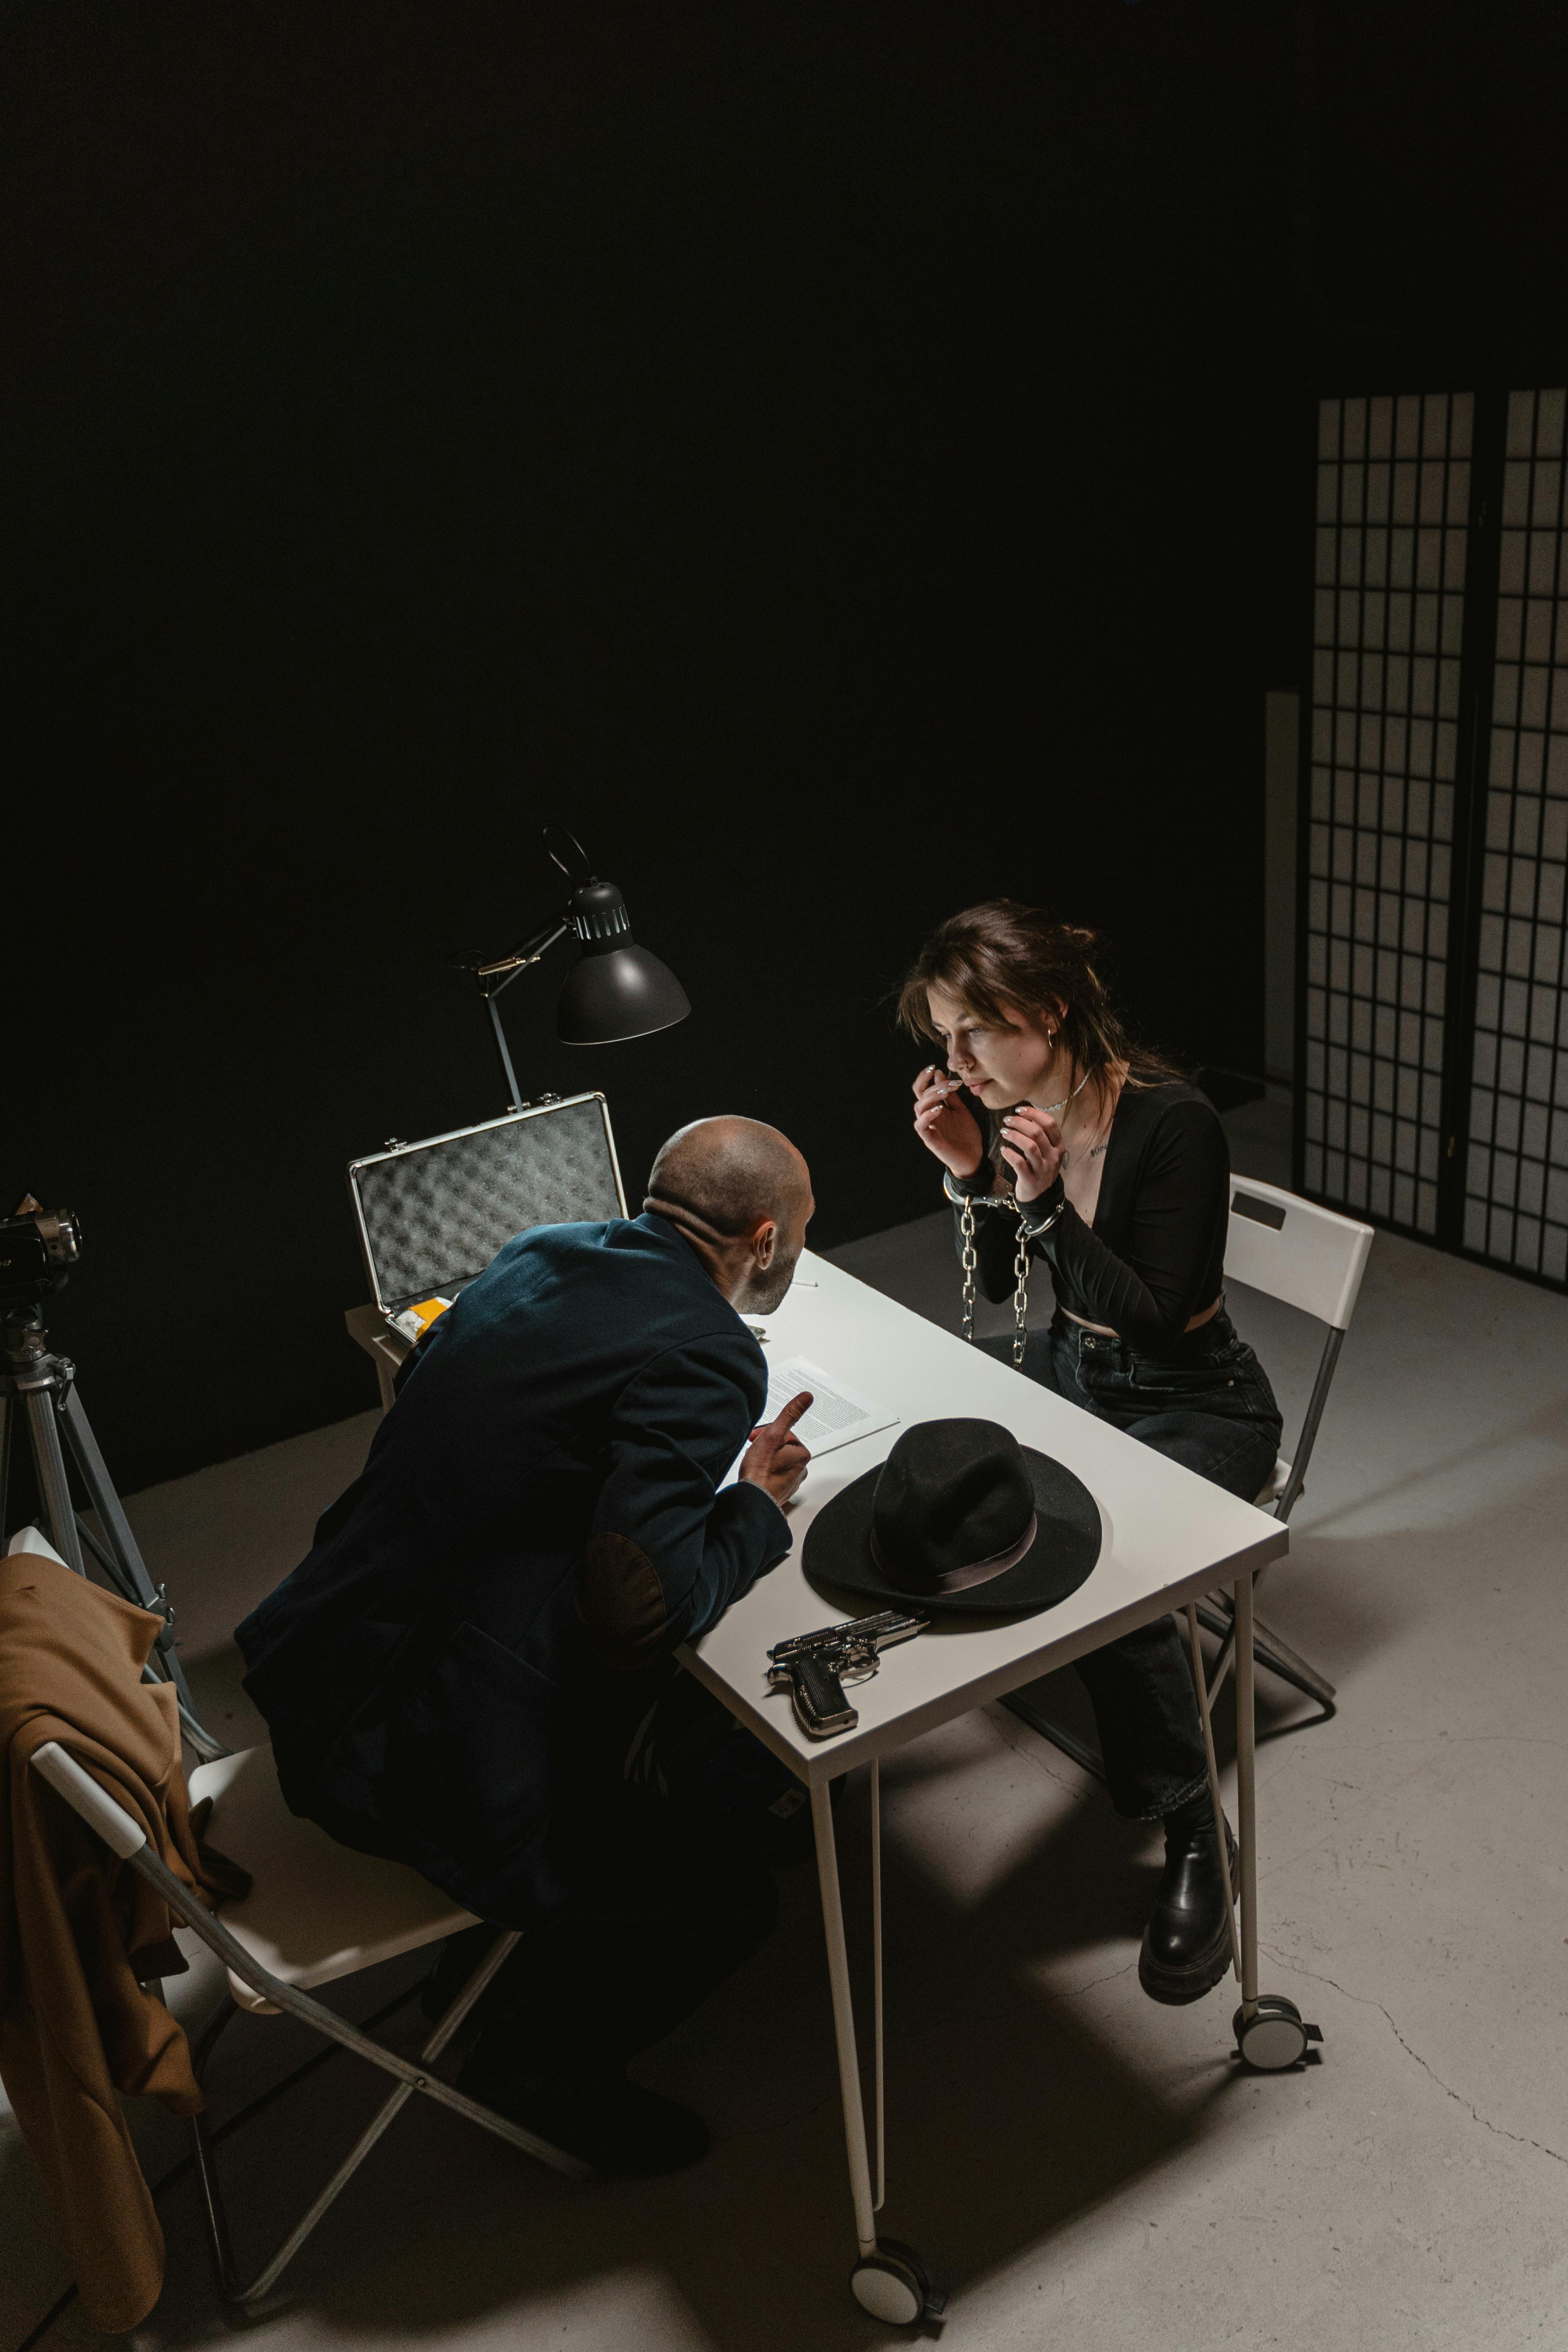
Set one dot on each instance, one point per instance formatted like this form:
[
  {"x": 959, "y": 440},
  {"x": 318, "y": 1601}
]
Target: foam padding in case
[{"x": 434, "y": 1215}]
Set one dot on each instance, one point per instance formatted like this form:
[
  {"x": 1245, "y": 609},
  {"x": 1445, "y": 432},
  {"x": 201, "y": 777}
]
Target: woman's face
[{"x": 1002, "y": 1063}]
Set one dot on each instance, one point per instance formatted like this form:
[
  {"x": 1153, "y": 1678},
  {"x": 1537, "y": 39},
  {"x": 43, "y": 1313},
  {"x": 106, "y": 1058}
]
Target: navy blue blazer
[{"x": 537, "y": 1517}]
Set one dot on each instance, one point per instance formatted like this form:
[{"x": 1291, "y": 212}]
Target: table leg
[
  {"x": 1246, "y": 1796},
  {"x": 877, "y": 1982},
  {"x": 1207, "y": 1718},
  {"x": 843, "y": 2018},
  {"x": 1271, "y": 2035},
  {"x": 889, "y": 2281}
]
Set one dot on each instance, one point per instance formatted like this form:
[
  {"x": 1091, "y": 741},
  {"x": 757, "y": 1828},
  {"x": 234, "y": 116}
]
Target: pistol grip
[{"x": 819, "y": 1699}]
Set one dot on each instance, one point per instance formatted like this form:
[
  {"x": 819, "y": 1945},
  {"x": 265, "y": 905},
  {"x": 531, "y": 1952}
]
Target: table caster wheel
[
  {"x": 892, "y": 2285},
  {"x": 1274, "y": 2038}
]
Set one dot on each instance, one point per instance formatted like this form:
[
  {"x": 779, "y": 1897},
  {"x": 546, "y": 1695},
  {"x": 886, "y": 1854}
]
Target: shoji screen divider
[
  {"x": 1515, "y": 1122},
  {"x": 1431, "y": 1061},
  {"x": 1393, "y": 494}
]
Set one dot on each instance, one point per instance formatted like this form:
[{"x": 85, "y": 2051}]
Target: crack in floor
[
  {"x": 1111, "y": 1974},
  {"x": 1465, "y": 1739},
  {"x": 1369, "y": 2001}
]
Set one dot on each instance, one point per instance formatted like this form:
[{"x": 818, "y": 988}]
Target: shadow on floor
[{"x": 446, "y": 2228}]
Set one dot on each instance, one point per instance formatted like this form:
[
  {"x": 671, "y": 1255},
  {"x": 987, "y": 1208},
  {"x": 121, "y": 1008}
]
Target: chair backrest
[
  {"x": 31, "y": 1539},
  {"x": 1292, "y": 1250},
  {"x": 82, "y": 1793}
]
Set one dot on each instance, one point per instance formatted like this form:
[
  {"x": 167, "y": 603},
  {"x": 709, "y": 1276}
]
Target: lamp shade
[{"x": 616, "y": 990}]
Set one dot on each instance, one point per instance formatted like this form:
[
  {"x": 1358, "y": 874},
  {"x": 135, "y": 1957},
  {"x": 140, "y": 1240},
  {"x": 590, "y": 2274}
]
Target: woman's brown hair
[{"x": 1005, "y": 956}]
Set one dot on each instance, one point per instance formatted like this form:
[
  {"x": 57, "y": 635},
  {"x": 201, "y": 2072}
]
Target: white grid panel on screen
[
  {"x": 1516, "y": 1175},
  {"x": 1393, "y": 504}
]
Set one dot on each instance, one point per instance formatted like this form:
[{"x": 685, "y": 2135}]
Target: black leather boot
[{"x": 1187, "y": 1944}]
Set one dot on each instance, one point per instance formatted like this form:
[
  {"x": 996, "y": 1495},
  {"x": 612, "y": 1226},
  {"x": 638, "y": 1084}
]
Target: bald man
[{"x": 457, "y": 1676}]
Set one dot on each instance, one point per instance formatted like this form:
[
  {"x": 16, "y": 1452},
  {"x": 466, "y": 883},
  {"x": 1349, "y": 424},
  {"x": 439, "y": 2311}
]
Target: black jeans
[{"x": 1208, "y": 1405}]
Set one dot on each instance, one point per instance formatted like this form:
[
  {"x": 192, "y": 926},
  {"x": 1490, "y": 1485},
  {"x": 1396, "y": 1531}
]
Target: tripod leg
[
  {"x": 128, "y": 1568},
  {"x": 53, "y": 1485},
  {"x": 201, "y": 1741},
  {"x": 112, "y": 1518}
]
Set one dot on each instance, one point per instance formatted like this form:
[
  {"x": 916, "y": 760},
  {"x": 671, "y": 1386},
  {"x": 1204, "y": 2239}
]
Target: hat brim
[{"x": 838, "y": 1549}]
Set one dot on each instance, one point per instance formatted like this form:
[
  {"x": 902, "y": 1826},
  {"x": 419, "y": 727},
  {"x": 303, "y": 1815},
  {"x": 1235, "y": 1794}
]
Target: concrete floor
[{"x": 1077, "y": 2165}]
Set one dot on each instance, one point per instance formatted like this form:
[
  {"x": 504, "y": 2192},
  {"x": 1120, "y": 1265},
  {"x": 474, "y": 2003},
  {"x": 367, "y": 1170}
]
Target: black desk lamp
[{"x": 615, "y": 990}]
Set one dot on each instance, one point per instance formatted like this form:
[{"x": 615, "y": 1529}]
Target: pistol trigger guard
[{"x": 861, "y": 1673}]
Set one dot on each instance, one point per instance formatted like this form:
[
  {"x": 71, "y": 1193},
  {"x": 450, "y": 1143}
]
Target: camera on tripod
[
  {"x": 38, "y": 1247},
  {"x": 39, "y": 1405}
]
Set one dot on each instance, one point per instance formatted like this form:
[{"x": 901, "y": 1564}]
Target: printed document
[{"x": 835, "y": 1416}]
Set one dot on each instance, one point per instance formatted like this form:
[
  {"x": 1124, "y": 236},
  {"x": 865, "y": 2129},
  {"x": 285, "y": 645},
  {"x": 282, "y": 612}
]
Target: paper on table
[{"x": 835, "y": 1416}]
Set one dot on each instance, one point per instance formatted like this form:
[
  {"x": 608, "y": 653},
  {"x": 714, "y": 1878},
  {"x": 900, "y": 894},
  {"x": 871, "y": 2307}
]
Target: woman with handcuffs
[{"x": 1121, "y": 1174}]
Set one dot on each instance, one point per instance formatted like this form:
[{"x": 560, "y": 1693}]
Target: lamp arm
[
  {"x": 493, "y": 977},
  {"x": 513, "y": 1098},
  {"x": 499, "y": 973}
]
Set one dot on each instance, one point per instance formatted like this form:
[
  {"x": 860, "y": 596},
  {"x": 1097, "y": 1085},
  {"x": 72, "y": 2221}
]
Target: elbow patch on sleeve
[{"x": 621, "y": 1603}]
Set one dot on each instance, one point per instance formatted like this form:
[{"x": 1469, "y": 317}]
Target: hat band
[{"x": 976, "y": 1572}]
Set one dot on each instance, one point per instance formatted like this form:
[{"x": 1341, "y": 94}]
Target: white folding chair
[
  {"x": 317, "y": 1911},
  {"x": 1312, "y": 1259},
  {"x": 1309, "y": 1258}
]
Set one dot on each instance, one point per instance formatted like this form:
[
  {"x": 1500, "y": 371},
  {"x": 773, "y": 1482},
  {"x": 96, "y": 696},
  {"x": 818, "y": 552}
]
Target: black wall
[{"x": 841, "y": 468}]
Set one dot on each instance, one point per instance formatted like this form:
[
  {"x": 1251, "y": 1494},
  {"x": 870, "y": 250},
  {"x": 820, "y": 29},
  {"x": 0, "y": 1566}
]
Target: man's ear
[{"x": 762, "y": 1240}]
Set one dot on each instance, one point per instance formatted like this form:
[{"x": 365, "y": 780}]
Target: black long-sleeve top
[{"x": 1154, "y": 1256}]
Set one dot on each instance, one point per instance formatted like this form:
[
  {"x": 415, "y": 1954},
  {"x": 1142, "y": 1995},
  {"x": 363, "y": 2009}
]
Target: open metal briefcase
[{"x": 431, "y": 1215}]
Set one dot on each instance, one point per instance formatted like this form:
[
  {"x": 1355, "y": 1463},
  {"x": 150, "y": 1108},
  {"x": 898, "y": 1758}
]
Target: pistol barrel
[{"x": 888, "y": 1625}]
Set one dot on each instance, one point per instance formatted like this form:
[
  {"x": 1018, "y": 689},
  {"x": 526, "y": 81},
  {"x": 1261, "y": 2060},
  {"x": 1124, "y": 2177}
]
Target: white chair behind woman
[{"x": 1312, "y": 1259}]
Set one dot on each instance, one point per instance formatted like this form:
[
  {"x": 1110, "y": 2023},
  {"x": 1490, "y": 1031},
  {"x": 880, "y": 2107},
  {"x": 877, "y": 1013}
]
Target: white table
[{"x": 1168, "y": 1536}]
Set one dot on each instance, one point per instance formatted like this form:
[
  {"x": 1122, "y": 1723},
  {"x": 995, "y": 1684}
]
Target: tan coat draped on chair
[{"x": 79, "y": 1931}]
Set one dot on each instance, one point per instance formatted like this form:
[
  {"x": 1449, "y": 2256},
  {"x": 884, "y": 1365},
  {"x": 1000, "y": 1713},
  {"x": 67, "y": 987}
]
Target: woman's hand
[
  {"x": 1031, "y": 1144},
  {"x": 944, "y": 1124}
]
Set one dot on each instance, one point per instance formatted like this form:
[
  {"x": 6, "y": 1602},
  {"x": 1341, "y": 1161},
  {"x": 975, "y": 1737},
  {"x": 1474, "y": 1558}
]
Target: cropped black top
[{"x": 1154, "y": 1256}]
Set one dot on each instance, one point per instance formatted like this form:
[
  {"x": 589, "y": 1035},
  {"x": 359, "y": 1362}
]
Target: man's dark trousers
[{"x": 677, "y": 1898}]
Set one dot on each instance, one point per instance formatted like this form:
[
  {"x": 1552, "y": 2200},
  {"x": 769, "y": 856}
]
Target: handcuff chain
[{"x": 967, "y": 1205}]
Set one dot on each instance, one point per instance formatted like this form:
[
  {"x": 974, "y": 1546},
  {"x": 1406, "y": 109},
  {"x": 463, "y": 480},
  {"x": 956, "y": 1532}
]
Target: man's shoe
[
  {"x": 459, "y": 1955},
  {"x": 625, "y": 2132},
  {"x": 1187, "y": 1944}
]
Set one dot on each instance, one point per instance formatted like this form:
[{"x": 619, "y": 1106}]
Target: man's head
[{"x": 740, "y": 1194}]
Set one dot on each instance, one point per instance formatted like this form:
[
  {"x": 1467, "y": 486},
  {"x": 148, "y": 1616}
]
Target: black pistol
[{"x": 814, "y": 1667}]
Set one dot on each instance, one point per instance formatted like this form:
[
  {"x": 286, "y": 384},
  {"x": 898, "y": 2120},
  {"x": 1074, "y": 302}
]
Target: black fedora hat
[{"x": 960, "y": 1519}]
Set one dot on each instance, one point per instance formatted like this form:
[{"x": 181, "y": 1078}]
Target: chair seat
[
  {"x": 1279, "y": 1479},
  {"x": 316, "y": 1910}
]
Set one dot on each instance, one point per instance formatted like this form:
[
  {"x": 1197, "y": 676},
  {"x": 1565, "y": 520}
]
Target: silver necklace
[
  {"x": 1095, "y": 1150},
  {"x": 1051, "y": 1108}
]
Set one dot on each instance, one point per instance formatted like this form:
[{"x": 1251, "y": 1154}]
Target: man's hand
[
  {"x": 775, "y": 1458},
  {"x": 944, "y": 1124}
]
